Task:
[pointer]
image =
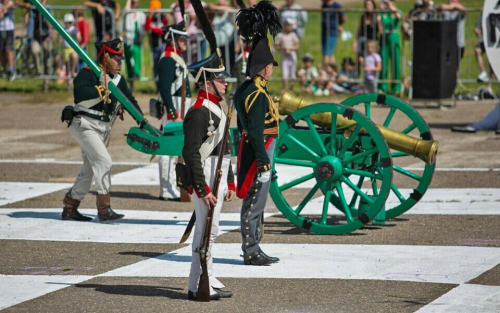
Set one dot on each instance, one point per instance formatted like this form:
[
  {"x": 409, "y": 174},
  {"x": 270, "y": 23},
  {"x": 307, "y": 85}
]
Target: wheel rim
[
  {"x": 400, "y": 200},
  {"x": 331, "y": 159}
]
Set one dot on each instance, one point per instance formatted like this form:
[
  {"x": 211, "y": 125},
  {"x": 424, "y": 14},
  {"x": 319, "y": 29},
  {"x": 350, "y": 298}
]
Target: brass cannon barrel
[{"x": 425, "y": 150}]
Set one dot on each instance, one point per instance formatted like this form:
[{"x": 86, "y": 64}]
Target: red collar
[
  {"x": 172, "y": 49},
  {"x": 202, "y": 95}
]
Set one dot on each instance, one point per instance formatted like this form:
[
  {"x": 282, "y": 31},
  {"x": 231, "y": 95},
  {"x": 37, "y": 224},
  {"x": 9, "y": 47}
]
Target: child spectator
[
  {"x": 288, "y": 42},
  {"x": 308, "y": 74},
  {"x": 7, "y": 37},
  {"x": 327, "y": 83},
  {"x": 348, "y": 75},
  {"x": 70, "y": 58},
  {"x": 373, "y": 65},
  {"x": 84, "y": 29}
]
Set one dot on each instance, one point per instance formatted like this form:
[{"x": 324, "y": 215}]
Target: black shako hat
[
  {"x": 209, "y": 68},
  {"x": 175, "y": 31},
  {"x": 113, "y": 47},
  {"x": 260, "y": 56}
]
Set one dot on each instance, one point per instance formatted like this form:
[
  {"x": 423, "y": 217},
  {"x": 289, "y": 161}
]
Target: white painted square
[
  {"x": 15, "y": 289},
  {"x": 466, "y": 298},
  {"x": 11, "y": 192},
  {"x": 437, "y": 264}
]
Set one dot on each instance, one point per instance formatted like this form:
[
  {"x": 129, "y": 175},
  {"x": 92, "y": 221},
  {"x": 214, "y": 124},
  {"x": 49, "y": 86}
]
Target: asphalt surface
[{"x": 33, "y": 131}]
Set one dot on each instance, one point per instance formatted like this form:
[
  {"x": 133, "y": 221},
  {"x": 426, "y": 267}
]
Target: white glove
[
  {"x": 264, "y": 176},
  {"x": 101, "y": 79}
]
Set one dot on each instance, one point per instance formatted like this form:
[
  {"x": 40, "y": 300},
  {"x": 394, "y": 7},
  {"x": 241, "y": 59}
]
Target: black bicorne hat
[
  {"x": 260, "y": 56},
  {"x": 209, "y": 68},
  {"x": 113, "y": 47},
  {"x": 175, "y": 30}
]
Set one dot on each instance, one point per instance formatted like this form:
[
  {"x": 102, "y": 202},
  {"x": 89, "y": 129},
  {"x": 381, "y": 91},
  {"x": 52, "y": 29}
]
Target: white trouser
[
  {"x": 89, "y": 133},
  {"x": 166, "y": 163},
  {"x": 201, "y": 213}
]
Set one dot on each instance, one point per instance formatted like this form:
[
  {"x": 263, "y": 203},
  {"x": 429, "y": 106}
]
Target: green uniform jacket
[
  {"x": 86, "y": 85},
  {"x": 258, "y": 121},
  {"x": 195, "y": 127},
  {"x": 169, "y": 70}
]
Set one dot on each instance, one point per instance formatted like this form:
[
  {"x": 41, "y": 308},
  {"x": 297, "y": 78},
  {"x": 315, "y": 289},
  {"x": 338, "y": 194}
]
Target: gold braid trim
[{"x": 260, "y": 83}]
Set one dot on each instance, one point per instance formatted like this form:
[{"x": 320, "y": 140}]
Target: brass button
[{"x": 248, "y": 236}]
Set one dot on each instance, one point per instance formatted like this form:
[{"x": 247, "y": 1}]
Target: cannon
[{"x": 355, "y": 164}]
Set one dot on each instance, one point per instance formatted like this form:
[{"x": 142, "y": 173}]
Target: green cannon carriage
[{"x": 359, "y": 171}]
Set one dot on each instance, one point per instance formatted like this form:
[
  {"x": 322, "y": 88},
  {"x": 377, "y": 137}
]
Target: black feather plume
[
  {"x": 182, "y": 7},
  {"x": 255, "y": 22},
  {"x": 205, "y": 24}
]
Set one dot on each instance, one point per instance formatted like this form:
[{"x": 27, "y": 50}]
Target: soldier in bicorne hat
[
  {"x": 258, "y": 120},
  {"x": 94, "y": 106},
  {"x": 203, "y": 132},
  {"x": 173, "y": 78}
]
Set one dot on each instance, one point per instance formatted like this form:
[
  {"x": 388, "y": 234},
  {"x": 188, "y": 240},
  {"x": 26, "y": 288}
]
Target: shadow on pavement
[
  {"x": 134, "y": 290},
  {"x": 57, "y": 216}
]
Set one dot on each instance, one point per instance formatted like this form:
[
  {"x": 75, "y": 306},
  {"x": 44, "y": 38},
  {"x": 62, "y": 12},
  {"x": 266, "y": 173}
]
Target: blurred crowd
[{"x": 373, "y": 66}]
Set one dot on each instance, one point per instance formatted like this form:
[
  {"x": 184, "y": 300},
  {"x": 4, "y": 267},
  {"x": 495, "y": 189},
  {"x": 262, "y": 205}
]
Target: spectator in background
[
  {"x": 133, "y": 34},
  {"x": 154, "y": 24},
  {"x": 293, "y": 12},
  {"x": 330, "y": 28},
  {"x": 490, "y": 122},
  {"x": 454, "y": 10},
  {"x": 308, "y": 75},
  {"x": 390, "y": 46},
  {"x": 104, "y": 21},
  {"x": 240, "y": 66},
  {"x": 197, "y": 41},
  {"x": 479, "y": 51},
  {"x": 372, "y": 67},
  {"x": 70, "y": 57},
  {"x": 223, "y": 26},
  {"x": 348, "y": 75},
  {"x": 328, "y": 80},
  {"x": 370, "y": 27},
  {"x": 288, "y": 42},
  {"x": 84, "y": 29},
  {"x": 42, "y": 45},
  {"x": 7, "y": 37}
]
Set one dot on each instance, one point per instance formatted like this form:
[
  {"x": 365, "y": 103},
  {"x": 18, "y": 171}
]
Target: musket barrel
[{"x": 425, "y": 150}]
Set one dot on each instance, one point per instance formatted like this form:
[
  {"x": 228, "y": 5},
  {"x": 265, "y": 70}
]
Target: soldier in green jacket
[
  {"x": 173, "y": 82},
  {"x": 94, "y": 107},
  {"x": 258, "y": 120}
]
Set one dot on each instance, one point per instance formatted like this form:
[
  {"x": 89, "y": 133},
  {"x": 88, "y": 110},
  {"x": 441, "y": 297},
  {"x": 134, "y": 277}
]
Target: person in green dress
[{"x": 390, "y": 47}]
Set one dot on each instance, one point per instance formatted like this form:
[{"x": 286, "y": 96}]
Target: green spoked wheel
[
  {"x": 412, "y": 176},
  {"x": 335, "y": 161}
]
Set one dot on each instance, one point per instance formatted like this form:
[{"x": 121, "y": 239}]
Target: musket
[{"x": 203, "y": 293}]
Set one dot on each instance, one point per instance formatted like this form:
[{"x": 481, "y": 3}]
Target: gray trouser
[
  {"x": 89, "y": 133},
  {"x": 252, "y": 211}
]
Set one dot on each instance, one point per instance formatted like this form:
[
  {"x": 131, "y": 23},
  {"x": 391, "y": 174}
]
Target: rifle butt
[{"x": 203, "y": 294}]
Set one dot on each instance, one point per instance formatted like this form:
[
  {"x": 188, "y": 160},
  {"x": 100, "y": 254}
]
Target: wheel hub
[{"x": 329, "y": 168}]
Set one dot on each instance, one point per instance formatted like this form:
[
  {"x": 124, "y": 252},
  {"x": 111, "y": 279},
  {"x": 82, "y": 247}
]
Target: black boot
[
  {"x": 224, "y": 293},
  {"x": 104, "y": 211},
  {"x": 70, "y": 210},
  {"x": 272, "y": 258},
  {"x": 192, "y": 296},
  {"x": 257, "y": 258}
]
